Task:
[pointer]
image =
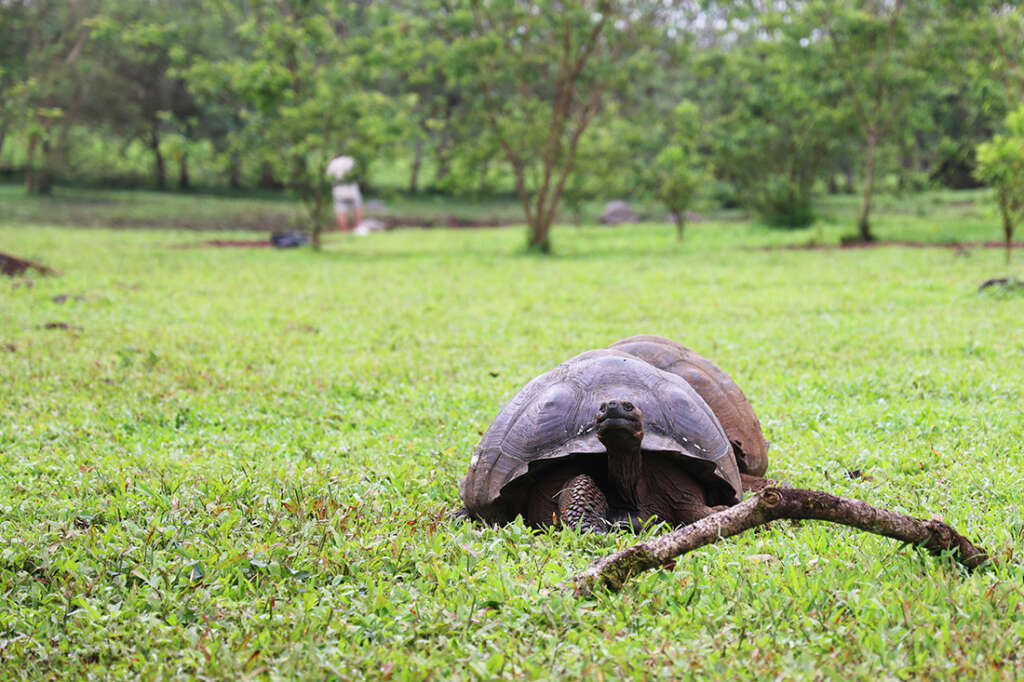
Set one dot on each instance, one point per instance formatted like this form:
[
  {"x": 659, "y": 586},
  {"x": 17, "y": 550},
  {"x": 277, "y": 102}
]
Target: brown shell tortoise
[{"x": 618, "y": 437}]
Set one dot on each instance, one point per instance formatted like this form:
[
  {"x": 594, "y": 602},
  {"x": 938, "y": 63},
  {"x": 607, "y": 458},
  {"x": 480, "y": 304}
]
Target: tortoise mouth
[
  {"x": 613, "y": 424},
  {"x": 616, "y": 415}
]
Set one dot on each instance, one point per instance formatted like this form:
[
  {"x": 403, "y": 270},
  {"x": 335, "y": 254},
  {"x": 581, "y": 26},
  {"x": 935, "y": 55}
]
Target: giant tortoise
[{"x": 604, "y": 438}]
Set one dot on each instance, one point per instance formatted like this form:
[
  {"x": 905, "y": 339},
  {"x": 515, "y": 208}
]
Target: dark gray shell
[
  {"x": 718, "y": 390},
  {"x": 552, "y": 418}
]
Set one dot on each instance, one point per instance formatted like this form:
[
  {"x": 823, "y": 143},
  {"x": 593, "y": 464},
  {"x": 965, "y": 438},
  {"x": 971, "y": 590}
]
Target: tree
[
  {"x": 301, "y": 75},
  {"x": 678, "y": 168},
  {"x": 773, "y": 123},
  {"x": 883, "y": 55},
  {"x": 45, "y": 79},
  {"x": 135, "y": 46},
  {"x": 541, "y": 73},
  {"x": 1001, "y": 165}
]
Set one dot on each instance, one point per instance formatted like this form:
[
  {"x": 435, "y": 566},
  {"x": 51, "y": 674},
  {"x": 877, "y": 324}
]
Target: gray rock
[{"x": 616, "y": 212}]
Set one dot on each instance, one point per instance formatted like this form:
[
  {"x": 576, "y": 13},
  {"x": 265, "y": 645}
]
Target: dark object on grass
[
  {"x": 11, "y": 266},
  {"x": 288, "y": 240},
  {"x": 602, "y": 439},
  {"x": 937, "y": 537},
  {"x": 1004, "y": 283},
  {"x": 60, "y": 325},
  {"x": 718, "y": 390}
]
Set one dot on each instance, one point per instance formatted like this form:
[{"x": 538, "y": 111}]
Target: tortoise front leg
[{"x": 583, "y": 506}]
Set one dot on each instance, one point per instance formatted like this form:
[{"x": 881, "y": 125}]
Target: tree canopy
[{"x": 556, "y": 101}]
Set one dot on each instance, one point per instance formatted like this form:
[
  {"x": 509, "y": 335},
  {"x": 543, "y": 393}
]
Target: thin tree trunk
[
  {"x": 937, "y": 537},
  {"x": 184, "y": 182},
  {"x": 44, "y": 181},
  {"x": 267, "y": 179},
  {"x": 159, "y": 168},
  {"x": 30, "y": 163},
  {"x": 3, "y": 137},
  {"x": 235, "y": 172},
  {"x": 849, "y": 182},
  {"x": 680, "y": 220},
  {"x": 863, "y": 219},
  {"x": 1005, "y": 209},
  {"x": 417, "y": 162}
]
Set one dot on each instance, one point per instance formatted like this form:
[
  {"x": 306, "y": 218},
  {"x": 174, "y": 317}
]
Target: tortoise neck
[{"x": 625, "y": 463}]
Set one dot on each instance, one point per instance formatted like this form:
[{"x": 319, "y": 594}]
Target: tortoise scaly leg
[{"x": 582, "y": 505}]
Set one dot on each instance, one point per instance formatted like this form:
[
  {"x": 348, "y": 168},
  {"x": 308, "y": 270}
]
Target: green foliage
[
  {"x": 782, "y": 203},
  {"x": 306, "y": 92},
  {"x": 772, "y": 126},
  {"x": 541, "y": 73},
  {"x": 548, "y": 100},
  {"x": 678, "y": 168},
  {"x": 224, "y": 469},
  {"x": 1001, "y": 165}
]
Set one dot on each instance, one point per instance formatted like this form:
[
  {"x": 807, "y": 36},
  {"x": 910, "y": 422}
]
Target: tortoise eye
[
  {"x": 603, "y": 407},
  {"x": 628, "y": 407}
]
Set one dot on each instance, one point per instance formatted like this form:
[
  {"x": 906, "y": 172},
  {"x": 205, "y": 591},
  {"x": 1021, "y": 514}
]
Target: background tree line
[{"x": 761, "y": 104}]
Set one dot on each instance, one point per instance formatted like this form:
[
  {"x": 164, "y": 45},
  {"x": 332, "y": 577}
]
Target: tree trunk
[
  {"x": 849, "y": 181},
  {"x": 1006, "y": 210},
  {"x": 235, "y": 172},
  {"x": 184, "y": 182},
  {"x": 937, "y": 537},
  {"x": 159, "y": 168},
  {"x": 30, "y": 163},
  {"x": 3, "y": 137},
  {"x": 539, "y": 241},
  {"x": 44, "y": 181},
  {"x": 444, "y": 164},
  {"x": 267, "y": 178},
  {"x": 863, "y": 219},
  {"x": 679, "y": 218},
  {"x": 417, "y": 162}
]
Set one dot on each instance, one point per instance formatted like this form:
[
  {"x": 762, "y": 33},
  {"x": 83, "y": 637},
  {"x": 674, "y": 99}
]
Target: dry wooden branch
[
  {"x": 11, "y": 266},
  {"x": 614, "y": 570}
]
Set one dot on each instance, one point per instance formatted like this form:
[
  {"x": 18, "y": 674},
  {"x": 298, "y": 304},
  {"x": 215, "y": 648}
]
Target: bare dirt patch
[{"x": 952, "y": 246}]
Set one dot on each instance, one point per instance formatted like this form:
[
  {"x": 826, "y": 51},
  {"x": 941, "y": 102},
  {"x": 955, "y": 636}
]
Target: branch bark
[
  {"x": 614, "y": 570},
  {"x": 12, "y": 265}
]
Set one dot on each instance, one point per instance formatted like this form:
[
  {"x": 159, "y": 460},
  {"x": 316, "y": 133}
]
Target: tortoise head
[{"x": 618, "y": 418}]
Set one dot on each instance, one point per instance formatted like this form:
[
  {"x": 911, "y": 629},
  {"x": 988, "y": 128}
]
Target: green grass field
[{"x": 238, "y": 462}]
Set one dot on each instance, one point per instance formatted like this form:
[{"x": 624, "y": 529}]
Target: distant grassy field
[{"x": 229, "y": 462}]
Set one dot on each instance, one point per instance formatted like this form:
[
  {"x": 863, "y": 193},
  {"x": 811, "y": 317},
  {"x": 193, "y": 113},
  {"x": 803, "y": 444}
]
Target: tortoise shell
[
  {"x": 553, "y": 419},
  {"x": 718, "y": 390}
]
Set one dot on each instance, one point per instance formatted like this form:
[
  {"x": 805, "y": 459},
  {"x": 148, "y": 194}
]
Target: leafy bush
[
  {"x": 1001, "y": 165},
  {"x": 782, "y": 203}
]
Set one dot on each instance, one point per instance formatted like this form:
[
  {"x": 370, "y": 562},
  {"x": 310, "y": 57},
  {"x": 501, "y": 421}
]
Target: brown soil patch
[
  {"x": 444, "y": 221},
  {"x": 952, "y": 246}
]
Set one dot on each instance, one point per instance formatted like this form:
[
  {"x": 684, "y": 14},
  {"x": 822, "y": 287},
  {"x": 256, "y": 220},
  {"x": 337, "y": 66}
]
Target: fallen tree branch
[
  {"x": 614, "y": 570},
  {"x": 11, "y": 266}
]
